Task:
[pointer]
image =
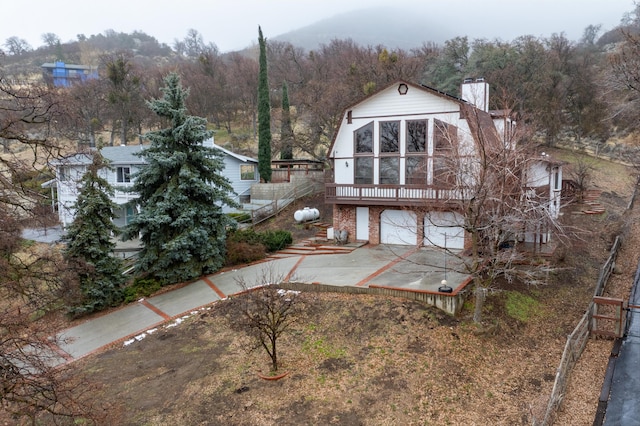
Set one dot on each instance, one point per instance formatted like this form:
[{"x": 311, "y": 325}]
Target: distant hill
[
  {"x": 390, "y": 27},
  {"x": 409, "y": 25}
]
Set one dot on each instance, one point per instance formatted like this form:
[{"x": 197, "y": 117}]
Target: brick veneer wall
[
  {"x": 344, "y": 217},
  {"x": 374, "y": 224}
]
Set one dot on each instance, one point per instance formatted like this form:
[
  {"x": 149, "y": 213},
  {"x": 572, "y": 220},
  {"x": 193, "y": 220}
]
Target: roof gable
[{"x": 389, "y": 101}]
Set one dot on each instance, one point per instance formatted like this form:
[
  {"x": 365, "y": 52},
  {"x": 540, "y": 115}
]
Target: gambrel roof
[{"x": 480, "y": 122}]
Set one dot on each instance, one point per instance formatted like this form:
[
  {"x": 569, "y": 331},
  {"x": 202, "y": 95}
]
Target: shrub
[
  {"x": 239, "y": 252},
  {"x": 276, "y": 240},
  {"x": 141, "y": 287},
  {"x": 248, "y": 236},
  {"x": 271, "y": 240}
]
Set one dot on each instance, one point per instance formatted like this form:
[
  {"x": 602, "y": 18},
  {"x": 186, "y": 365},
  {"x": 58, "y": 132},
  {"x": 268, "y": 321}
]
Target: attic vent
[
  {"x": 468, "y": 80},
  {"x": 480, "y": 80}
]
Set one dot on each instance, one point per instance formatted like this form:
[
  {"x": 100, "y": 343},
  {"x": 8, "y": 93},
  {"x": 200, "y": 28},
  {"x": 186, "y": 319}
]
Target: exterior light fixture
[
  {"x": 403, "y": 88},
  {"x": 346, "y": 164}
]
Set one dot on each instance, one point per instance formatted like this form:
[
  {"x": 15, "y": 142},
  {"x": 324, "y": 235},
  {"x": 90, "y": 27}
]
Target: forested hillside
[{"x": 566, "y": 90}]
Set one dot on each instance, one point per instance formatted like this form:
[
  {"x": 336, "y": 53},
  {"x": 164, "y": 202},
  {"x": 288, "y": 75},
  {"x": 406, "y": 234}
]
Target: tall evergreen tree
[
  {"x": 286, "y": 131},
  {"x": 264, "y": 114},
  {"x": 89, "y": 243},
  {"x": 180, "y": 195}
]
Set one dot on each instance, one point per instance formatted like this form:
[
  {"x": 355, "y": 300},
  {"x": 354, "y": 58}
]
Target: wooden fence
[{"x": 576, "y": 342}]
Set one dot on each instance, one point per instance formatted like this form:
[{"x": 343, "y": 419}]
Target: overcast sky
[{"x": 233, "y": 24}]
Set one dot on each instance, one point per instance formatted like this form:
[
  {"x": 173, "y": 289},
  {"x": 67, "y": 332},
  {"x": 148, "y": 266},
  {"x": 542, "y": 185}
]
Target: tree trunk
[
  {"x": 481, "y": 295},
  {"x": 123, "y": 132},
  {"x": 274, "y": 355}
]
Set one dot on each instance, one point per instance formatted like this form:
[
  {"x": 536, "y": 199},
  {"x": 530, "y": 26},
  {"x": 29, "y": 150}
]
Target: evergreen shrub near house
[
  {"x": 276, "y": 240},
  {"x": 247, "y": 245},
  {"x": 141, "y": 287}
]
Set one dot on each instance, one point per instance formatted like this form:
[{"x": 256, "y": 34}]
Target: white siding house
[
  {"x": 241, "y": 171},
  {"x": 393, "y": 180}
]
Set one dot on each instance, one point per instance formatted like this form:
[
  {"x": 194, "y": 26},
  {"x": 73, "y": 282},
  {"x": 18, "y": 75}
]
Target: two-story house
[
  {"x": 60, "y": 74},
  {"x": 392, "y": 158},
  {"x": 241, "y": 171}
]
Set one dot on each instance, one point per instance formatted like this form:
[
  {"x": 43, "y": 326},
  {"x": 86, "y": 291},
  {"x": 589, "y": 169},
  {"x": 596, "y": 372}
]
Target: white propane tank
[{"x": 306, "y": 214}]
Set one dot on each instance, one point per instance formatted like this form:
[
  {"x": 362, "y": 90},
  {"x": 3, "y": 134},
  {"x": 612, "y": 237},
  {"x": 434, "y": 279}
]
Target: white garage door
[
  {"x": 398, "y": 227},
  {"x": 442, "y": 229}
]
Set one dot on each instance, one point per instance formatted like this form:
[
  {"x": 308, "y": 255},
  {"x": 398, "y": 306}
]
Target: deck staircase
[
  {"x": 591, "y": 203},
  {"x": 318, "y": 244}
]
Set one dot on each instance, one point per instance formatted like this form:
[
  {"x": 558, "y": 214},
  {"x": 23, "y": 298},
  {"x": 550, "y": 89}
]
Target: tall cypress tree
[
  {"x": 180, "y": 195},
  {"x": 89, "y": 243},
  {"x": 264, "y": 114},
  {"x": 286, "y": 131}
]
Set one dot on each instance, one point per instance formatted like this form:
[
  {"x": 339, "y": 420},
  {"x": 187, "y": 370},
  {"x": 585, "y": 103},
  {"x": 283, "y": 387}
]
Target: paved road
[
  {"x": 623, "y": 408},
  {"x": 392, "y": 266}
]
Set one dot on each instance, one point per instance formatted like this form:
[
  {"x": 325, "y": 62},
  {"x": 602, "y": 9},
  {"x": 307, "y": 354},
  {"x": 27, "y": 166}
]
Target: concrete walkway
[{"x": 392, "y": 266}]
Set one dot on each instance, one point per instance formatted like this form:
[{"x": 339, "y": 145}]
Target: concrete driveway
[{"x": 390, "y": 266}]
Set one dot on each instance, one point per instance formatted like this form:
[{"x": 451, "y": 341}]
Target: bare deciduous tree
[
  {"x": 32, "y": 277},
  {"x": 50, "y": 39},
  {"x": 581, "y": 172},
  {"x": 499, "y": 207},
  {"x": 268, "y": 311},
  {"x": 17, "y": 46}
]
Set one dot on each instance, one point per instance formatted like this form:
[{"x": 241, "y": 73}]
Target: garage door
[
  {"x": 398, "y": 227},
  {"x": 442, "y": 229}
]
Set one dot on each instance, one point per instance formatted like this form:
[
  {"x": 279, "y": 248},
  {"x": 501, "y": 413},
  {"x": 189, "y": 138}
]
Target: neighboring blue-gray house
[
  {"x": 60, "y": 74},
  {"x": 241, "y": 171}
]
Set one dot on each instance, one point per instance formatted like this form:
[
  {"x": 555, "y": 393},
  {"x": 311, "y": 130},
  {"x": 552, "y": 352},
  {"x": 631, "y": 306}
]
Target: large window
[
  {"x": 389, "y": 170},
  {"x": 444, "y": 172},
  {"x": 445, "y": 140},
  {"x": 123, "y": 174},
  {"x": 416, "y": 152},
  {"x": 247, "y": 172},
  {"x": 364, "y": 170},
  {"x": 389, "y": 136},
  {"x": 445, "y": 136},
  {"x": 416, "y": 170},
  {"x": 389, "y": 163},
  {"x": 417, "y": 136},
  {"x": 364, "y": 139}
]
